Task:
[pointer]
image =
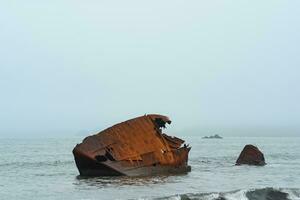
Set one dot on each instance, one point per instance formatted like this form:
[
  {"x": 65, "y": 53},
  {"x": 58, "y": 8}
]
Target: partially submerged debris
[
  {"x": 136, "y": 147},
  {"x": 251, "y": 155},
  {"x": 213, "y": 137}
]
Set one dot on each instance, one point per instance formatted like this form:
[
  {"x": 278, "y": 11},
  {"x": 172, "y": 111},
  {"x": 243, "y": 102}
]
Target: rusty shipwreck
[{"x": 136, "y": 147}]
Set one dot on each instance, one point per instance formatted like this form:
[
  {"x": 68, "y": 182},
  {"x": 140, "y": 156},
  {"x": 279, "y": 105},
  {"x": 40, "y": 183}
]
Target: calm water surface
[{"x": 45, "y": 169}]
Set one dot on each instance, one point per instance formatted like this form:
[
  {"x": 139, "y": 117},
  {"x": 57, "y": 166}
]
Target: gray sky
[{"x": 225, "y": 66}]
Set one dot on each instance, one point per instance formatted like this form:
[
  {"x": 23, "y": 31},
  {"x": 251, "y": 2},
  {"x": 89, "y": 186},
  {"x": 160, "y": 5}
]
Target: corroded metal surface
[
  {"x": 135, "y": 147},
  {"x": 251, "y": 155}
]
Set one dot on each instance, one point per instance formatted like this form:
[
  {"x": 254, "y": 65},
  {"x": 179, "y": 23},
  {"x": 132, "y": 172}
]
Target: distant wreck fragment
[
  {"x": 251, "y": 155},
  {"x": 136, "y": 147},
  {"x": 216, "y": 136}
]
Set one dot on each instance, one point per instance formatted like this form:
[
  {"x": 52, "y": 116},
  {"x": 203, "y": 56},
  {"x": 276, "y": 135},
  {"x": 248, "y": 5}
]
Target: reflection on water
[{"x": 119, "y": 181}]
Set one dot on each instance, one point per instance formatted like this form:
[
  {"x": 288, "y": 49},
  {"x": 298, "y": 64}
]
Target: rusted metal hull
[{"x": 136, "y": 147}]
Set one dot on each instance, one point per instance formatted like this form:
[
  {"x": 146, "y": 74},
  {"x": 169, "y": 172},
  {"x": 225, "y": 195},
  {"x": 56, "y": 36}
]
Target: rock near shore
[{"x": 251, "y": 155}]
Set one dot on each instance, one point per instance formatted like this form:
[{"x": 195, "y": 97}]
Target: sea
[{"x": 44, "y": 169}]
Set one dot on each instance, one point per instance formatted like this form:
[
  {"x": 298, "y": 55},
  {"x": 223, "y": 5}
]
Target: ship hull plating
[{"x": 136, "y": 147}]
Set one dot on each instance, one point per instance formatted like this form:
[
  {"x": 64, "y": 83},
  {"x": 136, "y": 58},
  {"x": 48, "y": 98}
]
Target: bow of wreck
[{"x": 136, "y": 147}]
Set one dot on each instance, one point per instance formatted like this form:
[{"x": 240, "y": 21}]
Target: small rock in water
[{"x": 251, "y": 155}]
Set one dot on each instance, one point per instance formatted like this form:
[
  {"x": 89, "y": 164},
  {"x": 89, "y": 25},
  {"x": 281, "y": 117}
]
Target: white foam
[
  {"x": 211, "y": 196},
  {"x": 238, "y": 195},
  {"x": 177, "y": 197},
  {"x": 293, "y": 194}
]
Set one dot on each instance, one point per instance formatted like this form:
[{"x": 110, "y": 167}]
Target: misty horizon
[{"x": 172, "y": 130}]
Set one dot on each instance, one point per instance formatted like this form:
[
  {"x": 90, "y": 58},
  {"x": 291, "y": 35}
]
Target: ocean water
[{"x": 45, "y": 169}]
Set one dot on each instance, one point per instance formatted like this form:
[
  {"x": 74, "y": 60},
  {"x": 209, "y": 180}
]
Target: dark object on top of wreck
[
  {"x": 136, "y": 147},
  {"x": 251, "y": 155}
]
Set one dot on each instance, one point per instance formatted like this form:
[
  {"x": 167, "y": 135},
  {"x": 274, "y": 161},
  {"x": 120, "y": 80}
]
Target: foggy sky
[{"x": 226, "y": 67}]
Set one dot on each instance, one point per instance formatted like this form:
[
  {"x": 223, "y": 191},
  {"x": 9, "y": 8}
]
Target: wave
[
  {"x": 252, "y": 194},
  {"x": 36, "y": 164}
]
